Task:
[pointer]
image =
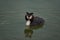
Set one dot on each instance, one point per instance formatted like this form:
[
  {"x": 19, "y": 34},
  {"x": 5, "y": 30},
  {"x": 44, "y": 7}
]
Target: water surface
[{"x": 12, "y": 21}]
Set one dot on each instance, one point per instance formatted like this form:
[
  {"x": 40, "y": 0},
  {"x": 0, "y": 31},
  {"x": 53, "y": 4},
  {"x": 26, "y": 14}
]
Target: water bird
[{"x": 32, "y": 20}]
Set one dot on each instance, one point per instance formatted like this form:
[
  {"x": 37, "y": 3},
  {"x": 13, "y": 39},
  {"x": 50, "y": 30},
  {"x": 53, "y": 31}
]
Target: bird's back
[{"x": 37, "y": 20}]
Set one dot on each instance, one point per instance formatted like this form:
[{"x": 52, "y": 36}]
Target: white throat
[{"x": 28, "y": 23}]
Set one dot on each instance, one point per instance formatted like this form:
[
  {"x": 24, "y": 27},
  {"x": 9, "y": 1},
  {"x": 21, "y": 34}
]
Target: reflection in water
[
  {"x": 29, "y": 29},
  {"x": 28, "y": 32}
]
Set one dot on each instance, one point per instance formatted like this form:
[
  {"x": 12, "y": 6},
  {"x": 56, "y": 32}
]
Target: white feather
[
  {"x": 28, "y": 23},
  {"x": 30, "y": 17}
]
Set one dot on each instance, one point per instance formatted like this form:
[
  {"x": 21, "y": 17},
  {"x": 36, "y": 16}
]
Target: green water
[{"x": 12, "y": 21}]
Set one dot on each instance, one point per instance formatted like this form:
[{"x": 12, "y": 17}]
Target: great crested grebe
[{"x": 32, "y": 20}]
